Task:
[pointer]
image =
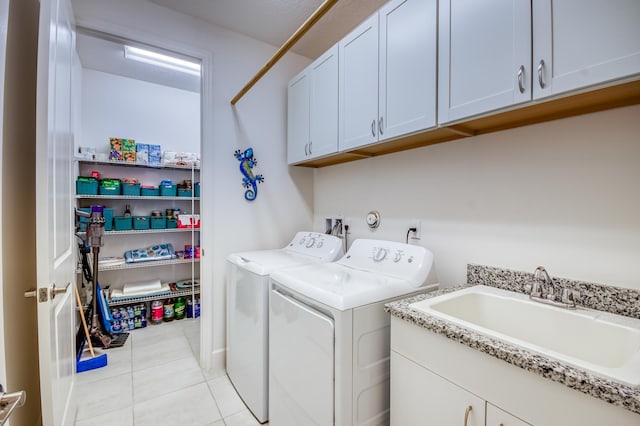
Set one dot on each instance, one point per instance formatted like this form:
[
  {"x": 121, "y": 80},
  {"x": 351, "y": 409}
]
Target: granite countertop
[{"x": 581, "y": 380}]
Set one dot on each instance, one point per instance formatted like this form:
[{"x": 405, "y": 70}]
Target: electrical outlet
[
  {"x": 415, "y": 223},
  {"x": 328, "y": 225}
]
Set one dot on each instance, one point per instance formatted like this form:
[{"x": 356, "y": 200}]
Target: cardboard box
[
  {"x": 142, "y": 153},
  {"x": 155, "y": 155},
  {"x": 115, "y": 150},
  {"x": 129, "y": 150},
  {"x": 189, "y": 221}
]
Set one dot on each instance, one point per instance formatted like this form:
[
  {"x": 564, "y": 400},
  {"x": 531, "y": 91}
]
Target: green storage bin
[
  {"x": 182, "y": 192},
  {"x": 172, "y": 223},
  {"x": 123, "y": 223},
  {"x": 132, "y": 189},
  {"x": 158, "y": 222},
  {"x": 168, "y": 190},
  {"x": 149, "y": 192},
  {"x": 141, "y": 223},
  {"x": 86, "y": 186}
]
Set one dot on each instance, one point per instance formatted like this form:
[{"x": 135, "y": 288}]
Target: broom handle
[{"x": 84, "y": 321}]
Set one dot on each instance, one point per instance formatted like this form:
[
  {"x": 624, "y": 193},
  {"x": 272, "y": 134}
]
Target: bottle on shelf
[
  {"x": 127, "y": 210},
  {"x": 169, "y": 312},
  {"x": 179, "y": 308}
]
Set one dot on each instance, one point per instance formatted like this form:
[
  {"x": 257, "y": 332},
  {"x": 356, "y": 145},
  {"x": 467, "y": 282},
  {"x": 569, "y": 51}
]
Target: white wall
[
  {"x": 285, "y": 203},
  {"x": 562, "y": 194},
  {"x": 116, "y": 106}
]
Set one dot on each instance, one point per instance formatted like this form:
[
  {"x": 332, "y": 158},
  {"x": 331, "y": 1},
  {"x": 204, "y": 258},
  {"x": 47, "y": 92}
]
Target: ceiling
[
  {"x": 271, "y": 21},
  {"x": 274, "y": 21}
]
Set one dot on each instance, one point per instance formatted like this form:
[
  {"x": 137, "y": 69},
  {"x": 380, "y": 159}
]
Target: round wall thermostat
[{"x": 373, "y": 219}]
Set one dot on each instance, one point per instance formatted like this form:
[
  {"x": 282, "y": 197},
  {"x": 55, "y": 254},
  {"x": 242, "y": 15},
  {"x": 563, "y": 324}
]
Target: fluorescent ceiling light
[{"x": 158, "y": 59}]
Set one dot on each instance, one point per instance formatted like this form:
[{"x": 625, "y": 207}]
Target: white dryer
[
  {"x": 329, "y": 335},
  {"x": 248, "y": 310}
]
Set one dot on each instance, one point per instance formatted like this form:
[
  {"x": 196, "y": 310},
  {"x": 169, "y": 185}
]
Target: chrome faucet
[{"x": 541, "y": 290}]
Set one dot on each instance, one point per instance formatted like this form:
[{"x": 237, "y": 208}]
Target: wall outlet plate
[{"x": 415, "y": 223}]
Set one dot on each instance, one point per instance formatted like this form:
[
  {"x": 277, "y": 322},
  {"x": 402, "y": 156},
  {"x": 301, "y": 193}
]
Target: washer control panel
[{"x": 326, "y": 247}]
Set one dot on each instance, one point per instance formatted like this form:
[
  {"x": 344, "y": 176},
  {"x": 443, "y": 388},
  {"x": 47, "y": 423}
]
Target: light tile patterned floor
[{"x": 154, "y": 379}]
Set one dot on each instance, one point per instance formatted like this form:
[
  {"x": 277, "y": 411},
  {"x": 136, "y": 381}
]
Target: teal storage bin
[
  {"x": 149, "y": 192},
  {"x": 158, "y": 222},
  {"x": 108, "y": 219},
  {"x": 109, "y": 190},
  {"x": 185, "y": 192},
  {"x": 141, "y": 223},
  {"x": 122, "y": 223},
  {"x": 197, "y": 189},
  {"x": 132, "y": 189},
  {"x": 168, "y": 190},
  {"x": 172, "y": 223},
  {"x": 86, "y": 186}
]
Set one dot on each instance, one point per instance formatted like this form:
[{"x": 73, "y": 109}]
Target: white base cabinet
[{"x": 435, "y": 379}]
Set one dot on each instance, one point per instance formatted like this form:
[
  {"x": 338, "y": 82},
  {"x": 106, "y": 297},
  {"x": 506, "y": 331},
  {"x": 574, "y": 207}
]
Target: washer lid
[
  {"x": 305, "y": 248},
  {"x": 340, "y": 286}
]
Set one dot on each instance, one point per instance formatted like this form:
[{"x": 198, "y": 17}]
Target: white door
[
  {"x": 323, "y": 123},
  {"x": 55, "y": 251},
  {"x": 580, "y": 43},
  {"x": 408, "y": 57},
  {"x": 484, "y": 56},
  {"x": 298, "y": 118},
  {"x": 358, "y": 86}
]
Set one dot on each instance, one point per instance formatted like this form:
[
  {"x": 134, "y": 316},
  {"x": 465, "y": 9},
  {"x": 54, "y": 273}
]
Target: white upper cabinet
[
  {"x": 298, "y": 118},
  {"x": 312, "y": 117},
  {"x": 580, "y": 43},
  {"x": 358, "y": 86},
  {"x": 484, "y": 56},
  {"x": 323, "y": 121},
  {"x": 408, "y": 55},
  {"x": 387, "y": 80}
]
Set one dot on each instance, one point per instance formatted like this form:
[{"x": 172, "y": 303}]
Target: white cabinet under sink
[
  {"x": 435, "y": 379},
  {"x": 312, "y": 121},
  {"x": 486, "y": 60},
  {"x": 387, "y": 80}
]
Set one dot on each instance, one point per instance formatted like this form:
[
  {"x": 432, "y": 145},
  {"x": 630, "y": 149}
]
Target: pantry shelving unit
[{"x": 117, "y": 242}]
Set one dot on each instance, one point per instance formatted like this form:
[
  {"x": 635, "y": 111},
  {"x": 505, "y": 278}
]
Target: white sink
[{"x": 605, "y": 344}]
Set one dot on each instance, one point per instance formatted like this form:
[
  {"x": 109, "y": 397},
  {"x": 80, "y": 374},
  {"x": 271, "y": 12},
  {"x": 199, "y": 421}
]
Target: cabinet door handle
[
  {"x": 310, "y": 145},
  {"x": 306, "y": 152},
  {"x": 521, "y": 78},
  {"x": 466, "y": 414},
  {"x": 373, "y": 128},
  {"x": 381, "y": 125},
  {"x": 540, "y": 76}
]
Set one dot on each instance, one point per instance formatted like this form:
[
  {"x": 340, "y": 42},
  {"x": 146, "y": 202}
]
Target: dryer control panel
[{"x": 398, "y": 260}]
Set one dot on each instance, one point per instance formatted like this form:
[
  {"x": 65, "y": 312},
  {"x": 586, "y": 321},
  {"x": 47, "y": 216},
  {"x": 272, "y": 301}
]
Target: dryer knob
[
  {"x": 311, "y": 242},
  {"x": 397, "y": 257},
  {"x": 379, "y": 255}
]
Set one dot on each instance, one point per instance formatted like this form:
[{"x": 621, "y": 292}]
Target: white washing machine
[
  {"x": 329, "y": 335},
  {"x": 248, "y": 310}
]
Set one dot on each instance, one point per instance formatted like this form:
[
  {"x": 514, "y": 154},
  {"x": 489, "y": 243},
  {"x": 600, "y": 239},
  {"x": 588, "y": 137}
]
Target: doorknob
[
  {"x": 9, "y": 402},
  {"x": 54, "y": 291},
  {"x": 41, "y": 293}
]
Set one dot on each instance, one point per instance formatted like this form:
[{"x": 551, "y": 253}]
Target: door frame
[
  {"x": 4, "y": 23},
  {"x": 206, "y": 144}
]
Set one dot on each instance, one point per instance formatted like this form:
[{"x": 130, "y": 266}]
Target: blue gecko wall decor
[{"x": 249, "y": 181}]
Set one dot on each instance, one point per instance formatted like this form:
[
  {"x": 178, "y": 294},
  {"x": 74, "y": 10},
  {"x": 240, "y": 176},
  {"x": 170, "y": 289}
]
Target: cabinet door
[
  {"x": 323, "y": 125},
  {"x": 298, "y": 118},
  {"x": 498, "y": 417},
  {"x": 579, "y": 43},
  {"x": 407, "y": 86},
  {"x": 420, "y": 397},
  {"x": 358, "y": 86},
  {"x": 484, "y": 57}
]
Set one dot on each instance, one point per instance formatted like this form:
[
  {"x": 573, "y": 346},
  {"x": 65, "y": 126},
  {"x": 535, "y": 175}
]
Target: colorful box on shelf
[
  {"x": 110, "y": 187},
  {"x": 155, "y": 155},
  {"x": 129, "y": 150},
  {"x": 168, "y": 190},
  {"x": 86, "y": 185},
  {"x": 141, "y": 223},
  {"x": 142, "y": 153},
  {"x": 149, "y": 191},
  {"x": 158, "y": 222},
  {"x": 123, "y": 223},
  {"x": 130, "y": 188},
  {"x": 189, "y": 221}
]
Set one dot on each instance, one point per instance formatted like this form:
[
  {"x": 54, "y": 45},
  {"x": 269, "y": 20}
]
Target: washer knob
[
  {"x": 397, "y": 257},
  {"x": 311, "y": 242}
]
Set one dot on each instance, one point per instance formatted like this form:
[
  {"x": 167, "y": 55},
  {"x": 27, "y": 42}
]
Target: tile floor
[{"x": 154, "y": 379}]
